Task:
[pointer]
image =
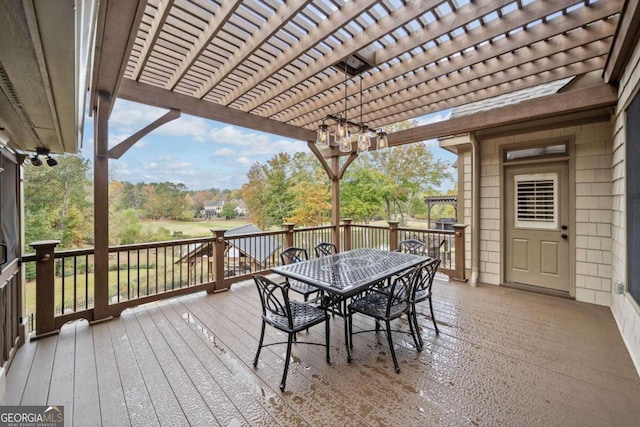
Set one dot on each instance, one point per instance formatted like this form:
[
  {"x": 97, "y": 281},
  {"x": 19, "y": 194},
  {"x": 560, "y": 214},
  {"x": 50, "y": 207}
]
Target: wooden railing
[
  {"x": 9, "y": 313},
  {"x": 147, "y": 272}
]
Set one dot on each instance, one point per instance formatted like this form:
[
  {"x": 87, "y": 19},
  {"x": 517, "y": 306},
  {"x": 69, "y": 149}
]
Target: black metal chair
[
  {"x": 412, "y": 246},
  {"x": 385, "y": 307},
  {"x": 289, "y": 256},
  {"x": 435, "y": 248},
  {"x": 422, "y": 292},
  {"x": 325, "y": 249},
  {"x": 287, "y": 316}
]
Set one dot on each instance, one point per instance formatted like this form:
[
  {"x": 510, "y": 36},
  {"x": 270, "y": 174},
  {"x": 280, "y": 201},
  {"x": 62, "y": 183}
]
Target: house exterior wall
[
  {"x": 591, "y": 206},
  {"x": 625, "y": 310}
]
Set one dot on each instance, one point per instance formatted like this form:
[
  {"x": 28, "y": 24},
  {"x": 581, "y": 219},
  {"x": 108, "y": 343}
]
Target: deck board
[
  {"x": 113, "y": 408},
  {"x": 503, "y": 357},
  {"x": 62, "y": 378},
  {"x": 149, "y": 355},
  {"x": 86, "y": 402}
]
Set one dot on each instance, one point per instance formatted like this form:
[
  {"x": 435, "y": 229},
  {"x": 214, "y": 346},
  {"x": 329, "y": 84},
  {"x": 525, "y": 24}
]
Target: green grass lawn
[{"x": 197, "y": 228}]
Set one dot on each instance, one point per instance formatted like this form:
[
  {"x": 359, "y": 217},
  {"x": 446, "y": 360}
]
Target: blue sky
[{"x": 197, "y": 152}]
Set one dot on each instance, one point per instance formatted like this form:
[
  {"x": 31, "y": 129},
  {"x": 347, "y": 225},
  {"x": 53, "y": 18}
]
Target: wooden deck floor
[{"x": 503, "y": 357}]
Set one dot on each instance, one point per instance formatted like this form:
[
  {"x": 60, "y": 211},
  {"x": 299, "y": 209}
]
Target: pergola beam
[
  {"x": 625, "y": 40},
  {"x": 163, "y": 98},
  {"x": 595, "y": 97},
  {"x": 115, "y": 36}
]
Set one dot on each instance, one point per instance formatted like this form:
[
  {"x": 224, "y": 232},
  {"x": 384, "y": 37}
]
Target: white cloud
[
  {"x": 245, "y": 161},
  {"x": 224, "y": 152},
  {"x": 129, "y": 115}
]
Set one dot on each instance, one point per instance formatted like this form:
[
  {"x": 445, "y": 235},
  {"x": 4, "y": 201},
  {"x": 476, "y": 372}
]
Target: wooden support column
[
  {"x": 335, "y": 202},
  {"x": 45, "y": 288},
  {"x": 218, "y": 262},
  {"x": 101, "y": 207},
  {"x": 347, "y": 233},
  {"x": 288, "y": 235},
  {"x": 393, "y": 235},
  {"x": 460, "y": 270}
]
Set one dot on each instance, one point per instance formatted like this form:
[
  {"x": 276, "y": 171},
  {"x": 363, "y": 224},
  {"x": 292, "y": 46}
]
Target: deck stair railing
[{"x": 142, "y": 273}]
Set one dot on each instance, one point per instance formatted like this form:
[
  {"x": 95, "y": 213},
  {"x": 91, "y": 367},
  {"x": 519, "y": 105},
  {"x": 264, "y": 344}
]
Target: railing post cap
[
  {"x": 45, "y": 243},
  {"x": 460, "y": 225},
  {"x": 393, "y": 223},
  {"x": 347, "y": 220},
  {"x": 219, "y": 232}
]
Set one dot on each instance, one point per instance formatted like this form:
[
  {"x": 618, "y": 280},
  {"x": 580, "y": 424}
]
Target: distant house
[
  {"x": 241, "y": 209},
  {"x": 242, "y": 254},
  {"x": 212, "y": 210}
]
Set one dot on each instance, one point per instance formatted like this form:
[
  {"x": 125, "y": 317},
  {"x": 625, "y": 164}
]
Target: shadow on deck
[{"x": 503, "y": 357}]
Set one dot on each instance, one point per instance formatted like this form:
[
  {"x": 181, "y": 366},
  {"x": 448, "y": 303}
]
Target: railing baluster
[{"x": 63, "y": 284}]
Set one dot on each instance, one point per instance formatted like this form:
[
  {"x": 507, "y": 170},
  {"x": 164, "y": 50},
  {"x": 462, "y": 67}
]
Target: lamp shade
[
  {"x": 322, "y": 137},
  {"x": 364, "y": 141},
  {"x": 383, "y": 142}
]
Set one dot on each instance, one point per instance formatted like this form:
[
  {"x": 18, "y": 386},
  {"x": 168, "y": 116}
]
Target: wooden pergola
[{"x": 278, "y": 67}]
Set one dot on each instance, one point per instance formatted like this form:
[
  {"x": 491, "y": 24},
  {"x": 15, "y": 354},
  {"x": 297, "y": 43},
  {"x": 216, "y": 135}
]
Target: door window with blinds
[{"x": 536, "y": 201}]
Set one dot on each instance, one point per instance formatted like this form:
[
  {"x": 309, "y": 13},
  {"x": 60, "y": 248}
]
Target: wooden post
[
  {"x": 288, "y": 235},
  {"x": 218, "y": 262},
  {"x": 101, "y": 208},
  {"x": 393, "y": 235},
  {"x": 460, "y": 271},
  {"x": 335, "y": 202},
  {"x": 347, "y": 233},
  {"x": 45, "y": 288}
]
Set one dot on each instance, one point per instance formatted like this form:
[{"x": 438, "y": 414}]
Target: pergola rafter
[{"x": 271, "y": 65}]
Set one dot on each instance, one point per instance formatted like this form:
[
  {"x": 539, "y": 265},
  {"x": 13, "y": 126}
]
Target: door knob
[
  {"x": 564, "y": 227},
  {"x": 564, "y": 236}
]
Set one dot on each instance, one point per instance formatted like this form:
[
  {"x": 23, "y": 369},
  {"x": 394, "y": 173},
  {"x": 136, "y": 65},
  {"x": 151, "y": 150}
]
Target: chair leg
[
  {"x": 413, "y": 317},
  {"x": 393, "y": 352},
  {"x": 433, "y": 318},
  {"x": 286, "y": 362},
  {"x": 327, "y": 332},
  {"x": 255, "y": 360},
  {"x": 415, "y": 330},
  {"x": 349, "y": 335}
]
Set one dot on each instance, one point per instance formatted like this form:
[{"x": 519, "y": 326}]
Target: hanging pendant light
[
  {"x": 364, "y": 141},
  {"x": 342, "y": 135},
  {"x": 322, "y": 137},
  {"x": 383, "y": 142}
]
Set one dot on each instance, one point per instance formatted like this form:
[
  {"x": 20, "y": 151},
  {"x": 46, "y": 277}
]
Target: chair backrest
[
  {"x": 325, "y": 249},
  {"x": 411, "y": 246},
  {"x": 435, "y": 247},
  {"x": 401, "y": 290},
  {"x": 424, "y": 280},
  {"x": 293, "y": 254},
  {"x": 274, "y": 298}
]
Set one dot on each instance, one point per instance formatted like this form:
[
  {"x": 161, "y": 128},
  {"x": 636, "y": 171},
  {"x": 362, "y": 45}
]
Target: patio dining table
[{"x": 349, "y": 273}]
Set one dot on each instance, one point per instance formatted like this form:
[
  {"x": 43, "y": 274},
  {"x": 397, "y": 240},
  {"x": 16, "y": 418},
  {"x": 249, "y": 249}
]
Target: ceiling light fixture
[{"x": 341, "y": 134}]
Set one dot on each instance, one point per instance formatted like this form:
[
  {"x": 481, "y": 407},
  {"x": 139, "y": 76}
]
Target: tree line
[
  {"x": 59, "y": 205},
  {"x": 388, "y": 184}
]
